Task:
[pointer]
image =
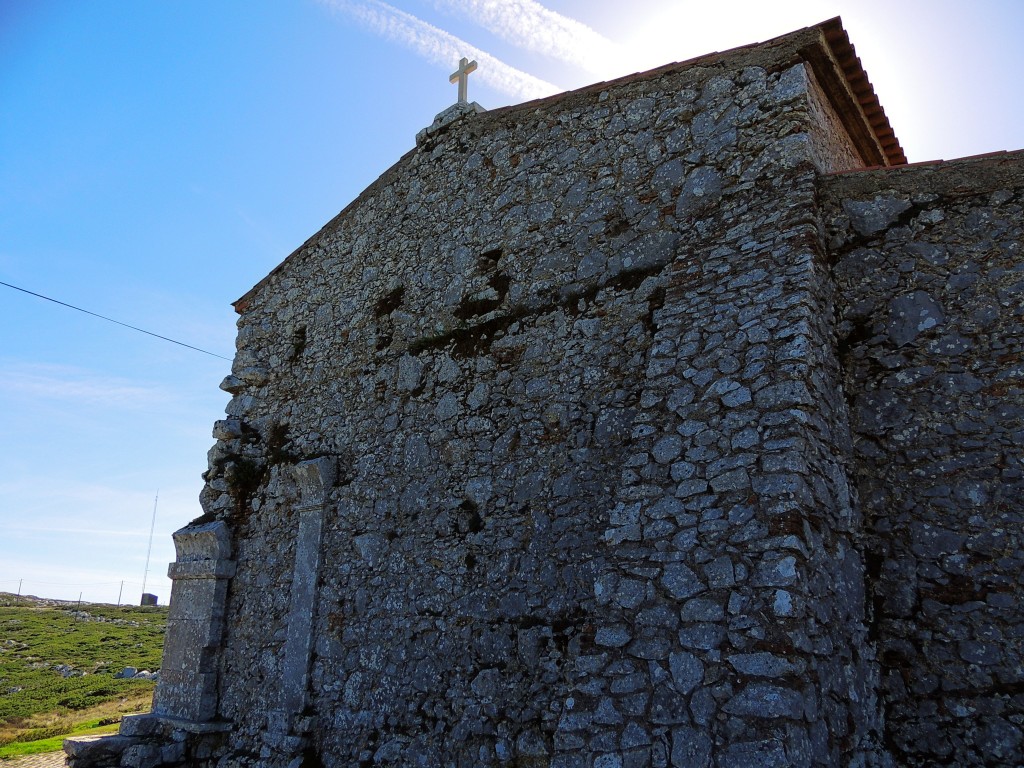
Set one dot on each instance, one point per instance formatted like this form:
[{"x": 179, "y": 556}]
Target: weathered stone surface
[
  {"x": 195, "y": 622},
  {"x": 933, "y": 341},
  {"x": 765, "y": 700},
  {"x": 764, "y": 664},
  {"x": 96, "y": 749},
  {"x": 443, "y": 119},
  {"x": 911, "y": 315},
  {"x": 869, "y": 217},
  {"x": 691, "y": 748},
  {"x": 687, "y": 671}
]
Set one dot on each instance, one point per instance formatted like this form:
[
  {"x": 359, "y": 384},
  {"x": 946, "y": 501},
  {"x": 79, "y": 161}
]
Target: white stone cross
[{"x": 462, "y": 75}]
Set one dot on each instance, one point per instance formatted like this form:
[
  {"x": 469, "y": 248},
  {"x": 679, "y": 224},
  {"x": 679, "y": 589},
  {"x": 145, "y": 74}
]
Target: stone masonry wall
[
  {"x": 572, "y": 363},
  {"x": 930, "y": 276},
  {"x": 831, "y": 147}
]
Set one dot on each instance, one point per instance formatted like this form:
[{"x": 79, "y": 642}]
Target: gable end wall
[{"x": 573, "y": 366}]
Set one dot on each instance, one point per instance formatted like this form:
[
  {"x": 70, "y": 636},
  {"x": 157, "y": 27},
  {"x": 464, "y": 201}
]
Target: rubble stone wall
[
  {"x": 574, "y": 363},
  {"x": 930, "y": 287},
  {"x": 831, "y": 148}
]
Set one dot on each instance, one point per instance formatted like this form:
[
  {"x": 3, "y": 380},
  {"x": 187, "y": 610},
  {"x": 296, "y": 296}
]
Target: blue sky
[{"x": 158, "y": 158}]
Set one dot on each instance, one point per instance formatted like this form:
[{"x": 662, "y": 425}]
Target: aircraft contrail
[
  {"x": 529, "y": 25},
  {"x": 439, "y": 47}
]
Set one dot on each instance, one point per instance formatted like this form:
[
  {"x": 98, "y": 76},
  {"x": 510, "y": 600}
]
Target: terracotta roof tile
[{"x": 846, "y": 56}]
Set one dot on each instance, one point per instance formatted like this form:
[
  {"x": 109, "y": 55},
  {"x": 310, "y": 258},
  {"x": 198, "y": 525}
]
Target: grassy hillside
[{"x": 57, "y": 664}]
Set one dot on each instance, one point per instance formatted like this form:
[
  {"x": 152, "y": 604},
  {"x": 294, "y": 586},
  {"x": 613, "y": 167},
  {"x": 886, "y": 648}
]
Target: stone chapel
[{"x": 674, "y": 421}]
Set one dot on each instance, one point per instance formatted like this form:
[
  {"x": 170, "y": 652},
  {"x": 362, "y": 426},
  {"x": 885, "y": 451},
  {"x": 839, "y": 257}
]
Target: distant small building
[{"x": 149, "y": 599}]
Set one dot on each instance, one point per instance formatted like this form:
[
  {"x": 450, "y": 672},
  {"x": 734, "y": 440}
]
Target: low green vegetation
[
  {"x": 54, "y": 743},
  {"x": 58, "y": 663}
]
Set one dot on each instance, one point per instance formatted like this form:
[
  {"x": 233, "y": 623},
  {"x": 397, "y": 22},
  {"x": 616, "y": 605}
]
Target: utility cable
[
  {"x": 71, "y": 584},
  {"x": 118, "y": 322}
]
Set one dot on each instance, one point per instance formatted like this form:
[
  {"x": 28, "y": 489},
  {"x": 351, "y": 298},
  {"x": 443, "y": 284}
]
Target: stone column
[
  {"x": 313, "y": 480},
  {"x": 195, "y": 623},
  {"x": 287, "y": 727}
]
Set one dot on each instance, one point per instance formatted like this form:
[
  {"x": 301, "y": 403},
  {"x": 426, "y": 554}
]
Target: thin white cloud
[
  {"x": 65, "y": 383},
  {"x": 73, "y": 495},
  {"x": 439, "y": 47},
  {"x": 529, "y": 25}
]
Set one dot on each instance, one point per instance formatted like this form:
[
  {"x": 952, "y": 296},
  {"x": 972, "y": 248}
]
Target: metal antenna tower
[{"x": 149, "y": 549}]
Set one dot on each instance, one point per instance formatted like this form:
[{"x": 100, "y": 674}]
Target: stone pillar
[
  {"x": 288, "y": 728},
  {"x": 195, "y": 623},
  {"x": 313, "y": 479}
]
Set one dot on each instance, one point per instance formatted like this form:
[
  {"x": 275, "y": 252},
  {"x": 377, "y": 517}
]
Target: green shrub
[{"x": 95, "y": 643}]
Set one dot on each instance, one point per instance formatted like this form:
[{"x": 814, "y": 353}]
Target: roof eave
[{"x": 853, "y": 96}]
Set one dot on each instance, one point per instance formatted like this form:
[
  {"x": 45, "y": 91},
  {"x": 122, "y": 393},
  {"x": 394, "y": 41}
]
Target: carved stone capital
[
  {"x": 210, "y": 541},
  {"x": 314, "y": 479}
]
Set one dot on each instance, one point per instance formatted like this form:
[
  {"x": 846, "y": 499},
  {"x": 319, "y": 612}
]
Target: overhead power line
[
  {"x": 69, "y": 584},
  {"x": 117, "y": 322}
]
